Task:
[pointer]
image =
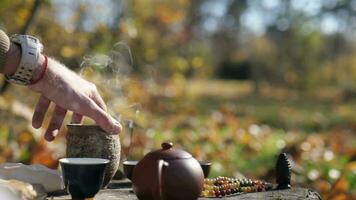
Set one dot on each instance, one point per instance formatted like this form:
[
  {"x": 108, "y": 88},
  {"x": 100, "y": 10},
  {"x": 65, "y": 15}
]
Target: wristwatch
[{"x": 31, "y": 49}]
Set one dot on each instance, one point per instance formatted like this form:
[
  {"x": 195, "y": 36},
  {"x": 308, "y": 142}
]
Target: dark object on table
[
  {"x": 129, "y": 165},
  {"x": 168, "y": 174},
  {"x": 83, "y": 177},
  {"x": 91, "y": 141},
  {"x": 283, "y": 173},
  {"x": 206, "y": 167}
]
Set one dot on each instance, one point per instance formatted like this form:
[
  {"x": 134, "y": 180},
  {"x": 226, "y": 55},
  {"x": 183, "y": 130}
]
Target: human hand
[
  {"x": 69, "y": 92},
  {"x": 62, "y": 87}
]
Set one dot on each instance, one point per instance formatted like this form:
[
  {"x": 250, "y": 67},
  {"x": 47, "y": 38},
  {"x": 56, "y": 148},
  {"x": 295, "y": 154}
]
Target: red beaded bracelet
[{"x": 43, "y": 71}]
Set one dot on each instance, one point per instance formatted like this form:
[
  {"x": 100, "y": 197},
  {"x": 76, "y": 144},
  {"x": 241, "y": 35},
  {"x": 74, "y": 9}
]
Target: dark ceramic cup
[
  {"x": 129, "y": 165},
  {"x": 206, "y": 167},
  {"x": 83, "y": 177}
]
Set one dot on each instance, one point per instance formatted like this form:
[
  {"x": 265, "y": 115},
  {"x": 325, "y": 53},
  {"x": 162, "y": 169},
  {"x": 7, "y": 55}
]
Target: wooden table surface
[{"x": 122, "y": 190}]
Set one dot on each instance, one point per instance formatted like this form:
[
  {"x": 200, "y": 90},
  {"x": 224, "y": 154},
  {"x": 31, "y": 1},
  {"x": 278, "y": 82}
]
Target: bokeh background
[{"x": 235, "y": 82}]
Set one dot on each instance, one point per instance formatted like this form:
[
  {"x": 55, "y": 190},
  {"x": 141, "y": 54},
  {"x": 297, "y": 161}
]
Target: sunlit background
[{"x": 235, "y": 82}]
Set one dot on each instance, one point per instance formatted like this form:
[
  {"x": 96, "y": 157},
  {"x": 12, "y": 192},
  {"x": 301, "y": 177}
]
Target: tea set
[
  {"x": 93, "y": 158},
  {"x": 169, "y": 173}
]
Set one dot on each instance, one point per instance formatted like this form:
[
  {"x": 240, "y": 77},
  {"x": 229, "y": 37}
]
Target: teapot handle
[{"x": 161, "y": 164}]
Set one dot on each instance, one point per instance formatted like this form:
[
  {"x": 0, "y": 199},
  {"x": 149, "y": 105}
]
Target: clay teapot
[{"x": 168, "y": 174}]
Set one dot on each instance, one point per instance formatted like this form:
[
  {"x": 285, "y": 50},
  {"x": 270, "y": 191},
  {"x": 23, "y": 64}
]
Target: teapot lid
[{"x": 168, "y": 153}]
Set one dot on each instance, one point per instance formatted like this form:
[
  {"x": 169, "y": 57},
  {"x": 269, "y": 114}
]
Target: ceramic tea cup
[
  {"x": 205, "y": 165},
  {"x": 93, "y": 142},
  {"x": 83, "y": 177},
  {"x": 129, "y": 165}
]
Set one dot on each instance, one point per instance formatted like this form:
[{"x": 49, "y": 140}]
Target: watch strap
[{"x": 31, "y": 49}]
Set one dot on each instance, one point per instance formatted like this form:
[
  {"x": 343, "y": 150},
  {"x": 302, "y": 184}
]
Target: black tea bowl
[
  {"x": 83, "y": 177},
  {"x": 129, "y": 165},
  {"x": 206, "y": 167}
]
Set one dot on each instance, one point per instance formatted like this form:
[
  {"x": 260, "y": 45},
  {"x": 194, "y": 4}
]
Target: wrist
[
  {"x": 40, "y": 75},
  {"x": 39, "y": 70}
]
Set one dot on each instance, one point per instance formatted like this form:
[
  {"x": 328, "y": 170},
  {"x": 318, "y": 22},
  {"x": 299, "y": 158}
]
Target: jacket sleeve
[{"x": 4, "y": 47}]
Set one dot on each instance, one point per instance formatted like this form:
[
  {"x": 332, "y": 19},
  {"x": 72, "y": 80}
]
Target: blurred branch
[
  {"x": 34, "y": 11},
  {"x": 24, "y": 30}
]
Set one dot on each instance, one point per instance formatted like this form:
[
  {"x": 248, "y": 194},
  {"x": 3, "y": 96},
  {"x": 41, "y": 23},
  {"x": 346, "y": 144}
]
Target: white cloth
[{"x": 50, "y": 179}]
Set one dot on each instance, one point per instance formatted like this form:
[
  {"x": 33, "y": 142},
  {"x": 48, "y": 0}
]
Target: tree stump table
[{"x": 122, "y": 190}]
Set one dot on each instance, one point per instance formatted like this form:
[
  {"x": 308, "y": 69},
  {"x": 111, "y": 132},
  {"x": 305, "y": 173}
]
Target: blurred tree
[{"x": 24, "y": 30}]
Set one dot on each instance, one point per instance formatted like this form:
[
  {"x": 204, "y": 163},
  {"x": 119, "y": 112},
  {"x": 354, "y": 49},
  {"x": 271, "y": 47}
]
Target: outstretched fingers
[
  {"x": 56, "y": 123},
  {"x": 40, "y": 111}
]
